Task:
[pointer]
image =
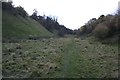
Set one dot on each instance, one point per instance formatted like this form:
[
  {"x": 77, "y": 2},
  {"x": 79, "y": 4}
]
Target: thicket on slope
[
  {"x": 20, "y": 10},
  {"x": 101, "y": 31},
  {"x": 116, "y": 21},
  {"x": 109, "y": 26},
  {"x": 7, "y": 6},
  {"x": 112, "y": 23},
  {"x": 83, "y": 29},
  {"x": 88, "y": 27}
]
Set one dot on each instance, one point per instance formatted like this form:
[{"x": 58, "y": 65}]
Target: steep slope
[{"x": 17, "y": 26}]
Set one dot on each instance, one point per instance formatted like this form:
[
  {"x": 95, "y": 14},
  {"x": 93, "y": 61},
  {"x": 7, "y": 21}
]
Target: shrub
[
  {"x": 21, "y": 11},
  {"x": 60, "y": 34},
  {"x": 83, "y": 29},
  {"x": 101, "y": 31},
  {"x": 31, "y": 37}
]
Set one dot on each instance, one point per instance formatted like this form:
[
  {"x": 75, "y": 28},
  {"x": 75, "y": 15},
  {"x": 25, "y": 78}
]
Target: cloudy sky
[{"x": 71, "y": 13}]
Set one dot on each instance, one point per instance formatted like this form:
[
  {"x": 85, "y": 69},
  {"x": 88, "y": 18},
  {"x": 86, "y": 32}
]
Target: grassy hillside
[{"x": 17, "y": 26}]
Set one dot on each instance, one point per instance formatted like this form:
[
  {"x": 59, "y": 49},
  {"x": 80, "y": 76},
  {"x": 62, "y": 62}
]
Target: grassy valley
[
  {"x": 60, "y": 58},
  {"x": 39, "y": 47}
]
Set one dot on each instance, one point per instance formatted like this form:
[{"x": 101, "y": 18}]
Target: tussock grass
[{"x": 60, "y": 57}]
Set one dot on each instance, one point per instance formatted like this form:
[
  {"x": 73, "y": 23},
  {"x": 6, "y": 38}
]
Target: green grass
[
  {"x": 17, "y": 26},
  {"x": 60, "y": 57}
]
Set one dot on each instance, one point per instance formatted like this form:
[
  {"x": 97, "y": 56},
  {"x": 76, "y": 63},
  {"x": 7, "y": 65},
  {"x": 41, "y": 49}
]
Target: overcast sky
[{"x": 71, "y": 13}]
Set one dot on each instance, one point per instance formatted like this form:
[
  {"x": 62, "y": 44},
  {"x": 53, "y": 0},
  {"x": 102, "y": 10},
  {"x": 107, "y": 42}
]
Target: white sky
[{"x": 71, "y": 13}]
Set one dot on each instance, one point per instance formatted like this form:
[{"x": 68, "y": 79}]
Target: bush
[
  {"x": 60, "y": 34},
  {"x": 101, "y": 31},
  {"x": 83, "y": 29},
  {"x": 31, "y": 37},
  {"x": 21, "y": 11}
]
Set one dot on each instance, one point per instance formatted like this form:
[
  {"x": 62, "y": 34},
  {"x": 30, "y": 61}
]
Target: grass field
[{"x": 67, "y": 57}]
